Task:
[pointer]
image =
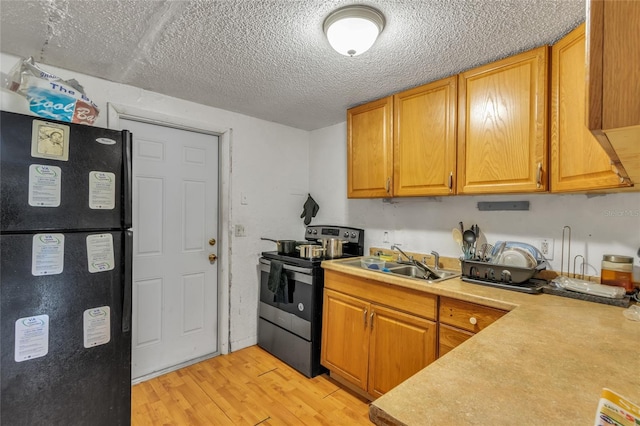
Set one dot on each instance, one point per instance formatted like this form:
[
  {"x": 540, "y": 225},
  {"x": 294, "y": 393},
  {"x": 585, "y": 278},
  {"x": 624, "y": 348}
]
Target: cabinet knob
[{"x": 473, "y": 320}]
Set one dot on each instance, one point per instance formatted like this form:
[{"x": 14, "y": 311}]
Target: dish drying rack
[{"x": 483, "y": 269}]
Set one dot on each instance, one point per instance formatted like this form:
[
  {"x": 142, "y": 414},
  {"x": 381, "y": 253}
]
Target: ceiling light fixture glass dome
[{"x": 352, "y": 30}]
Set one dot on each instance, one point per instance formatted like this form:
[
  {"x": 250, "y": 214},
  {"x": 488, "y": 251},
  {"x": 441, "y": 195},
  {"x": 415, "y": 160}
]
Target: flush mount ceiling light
[{"x": 352, "y": 30}]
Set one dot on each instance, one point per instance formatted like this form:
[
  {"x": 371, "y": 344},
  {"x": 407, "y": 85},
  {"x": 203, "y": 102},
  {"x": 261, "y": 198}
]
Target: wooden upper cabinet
[
  {"x": 578, "y": 161},
  {"x": 424, "y": 143},
  {"x": 502, "y": 131},
  {"x": 370, "y": 149},
  {"x": 613, "y": 76}
]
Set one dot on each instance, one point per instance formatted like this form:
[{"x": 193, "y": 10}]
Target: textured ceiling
[{"x": 270, "y": 59}]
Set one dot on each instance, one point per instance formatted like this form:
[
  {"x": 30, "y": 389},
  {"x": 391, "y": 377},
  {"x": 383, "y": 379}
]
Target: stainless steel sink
[
  {"x": 412, "y": 271},
  {"x": 409, "y": 271}
]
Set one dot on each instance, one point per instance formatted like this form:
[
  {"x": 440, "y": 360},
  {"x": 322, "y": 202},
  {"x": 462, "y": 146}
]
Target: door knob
[
  {"x": 212, "y": 242},
  {"x": 212, "y": 257}
]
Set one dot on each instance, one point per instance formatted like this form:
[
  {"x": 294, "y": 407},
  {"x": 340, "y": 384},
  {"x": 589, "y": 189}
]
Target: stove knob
[
  {"x": 315, "y": 231},
  {"x": 309, "y": 231},
  {"x": 346, "y": 234},
  {"x": 353, "y": 235}
]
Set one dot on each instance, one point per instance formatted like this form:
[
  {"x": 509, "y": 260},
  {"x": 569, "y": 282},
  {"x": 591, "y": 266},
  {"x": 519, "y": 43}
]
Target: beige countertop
[{"x": 545, "y": 362}]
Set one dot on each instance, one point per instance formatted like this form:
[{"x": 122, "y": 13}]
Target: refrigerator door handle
[
  {"x": 127, "y": 196},
  {"x": 128, "y": 278}
]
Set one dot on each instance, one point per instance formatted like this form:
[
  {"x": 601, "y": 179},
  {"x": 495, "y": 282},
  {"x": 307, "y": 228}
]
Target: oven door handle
[{"x": 303, "y": 275}]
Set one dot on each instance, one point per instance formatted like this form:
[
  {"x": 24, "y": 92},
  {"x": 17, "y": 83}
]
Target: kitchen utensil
[
  {"x": 495, "y": 257},
  {"x": 481, "y": 240},
  {"x": 332, "y": 247},
  {"x": 469, "y": 237},
  {"x": 283, "y": 246},
  {"x": 457, "y": 237},
  {"x": 476, "y": 230},
  {"x": 485, "y": 252},
  {"x": 310, "y": 251}
]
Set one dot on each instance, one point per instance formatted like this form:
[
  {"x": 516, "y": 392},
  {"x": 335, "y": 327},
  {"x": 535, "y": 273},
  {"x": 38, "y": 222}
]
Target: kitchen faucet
[
  {"x": 395, "y": 247},
  {"x": 436, "y": 261},
  {"x": 429, "y": 272}
]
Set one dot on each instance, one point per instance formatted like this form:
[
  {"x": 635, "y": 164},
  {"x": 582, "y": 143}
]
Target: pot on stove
[
  {"x": 332, "y": 247},
  {"x": 284, "y": 246},
  {"x": 310, "y": 251}
]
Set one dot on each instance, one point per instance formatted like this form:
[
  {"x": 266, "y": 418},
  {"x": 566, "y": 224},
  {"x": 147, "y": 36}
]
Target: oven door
[{"x": 295, "y": 316}]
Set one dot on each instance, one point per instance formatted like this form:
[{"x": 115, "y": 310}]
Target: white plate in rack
[{"x": 518, "y": 257}]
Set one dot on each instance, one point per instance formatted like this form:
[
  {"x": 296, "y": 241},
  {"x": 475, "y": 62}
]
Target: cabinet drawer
[
  {"x": 466, "y": 315},
  {"x": 401, "y": 298},
  {"x": 450, "y": 338}
]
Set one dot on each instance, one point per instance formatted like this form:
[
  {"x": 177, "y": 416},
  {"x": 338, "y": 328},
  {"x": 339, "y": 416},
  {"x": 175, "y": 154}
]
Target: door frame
[{"x": 117, "y": 111}]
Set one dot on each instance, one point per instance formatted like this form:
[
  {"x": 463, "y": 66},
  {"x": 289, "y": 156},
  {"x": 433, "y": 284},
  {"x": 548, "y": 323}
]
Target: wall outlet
[
  {"x": 545, "y": 245},
  {"x": 239, "y": 231}
]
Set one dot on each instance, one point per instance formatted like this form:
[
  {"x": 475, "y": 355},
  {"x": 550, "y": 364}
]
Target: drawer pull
[{"x": 473, "y": 320}]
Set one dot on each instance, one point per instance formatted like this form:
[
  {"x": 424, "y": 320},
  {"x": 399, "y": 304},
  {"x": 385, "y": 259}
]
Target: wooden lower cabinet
[
  {"x": 345, "y": 337},
  {"x": 373, "y": 346},
  {"x": 400, "y": 345}
]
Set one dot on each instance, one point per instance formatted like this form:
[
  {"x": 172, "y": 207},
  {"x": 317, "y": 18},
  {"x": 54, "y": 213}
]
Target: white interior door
[{"x": 175, "y": 224}]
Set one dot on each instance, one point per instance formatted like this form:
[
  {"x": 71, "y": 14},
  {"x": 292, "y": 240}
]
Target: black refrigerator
[{"x": 65, "y": 273}]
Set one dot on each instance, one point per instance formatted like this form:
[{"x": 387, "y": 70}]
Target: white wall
[
  {"x": 599, "y": 224},
  {"x": 268, "y": 165}
]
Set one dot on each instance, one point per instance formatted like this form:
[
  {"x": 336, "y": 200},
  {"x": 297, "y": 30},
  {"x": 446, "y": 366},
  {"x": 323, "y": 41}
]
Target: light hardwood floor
[{"x": 246, "y": 387}]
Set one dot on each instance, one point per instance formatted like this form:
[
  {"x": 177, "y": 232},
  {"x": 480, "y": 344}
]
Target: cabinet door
[
  {"x": 450, "y": 337},
  {"x": 502, "y": 132},
  {"x": 614, "y": 59},
  {"x": 370, "y": 150},
  {"x": 401, "y": 345},
  {"x": 613, "y": 92},
  {"x": 578, "y": 162},
  {"x": 424, "y": 143},
  {"x": 345, "y": 337}
]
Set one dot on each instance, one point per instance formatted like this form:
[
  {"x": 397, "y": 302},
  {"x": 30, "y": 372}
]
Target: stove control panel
[{"x": 350, "y": 235}]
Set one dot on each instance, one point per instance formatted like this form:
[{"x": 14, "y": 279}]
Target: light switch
[{"x": 239, "y": 231}]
